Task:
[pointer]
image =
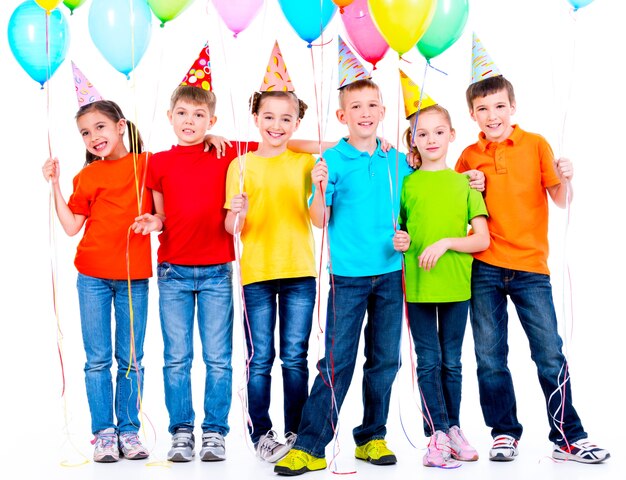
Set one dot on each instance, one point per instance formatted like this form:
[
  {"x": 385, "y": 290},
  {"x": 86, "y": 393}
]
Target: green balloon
[
  {"x": 166, "y": 10},
  {"x": 73, "y": 4},
  {"x": 445, "y": 29}
]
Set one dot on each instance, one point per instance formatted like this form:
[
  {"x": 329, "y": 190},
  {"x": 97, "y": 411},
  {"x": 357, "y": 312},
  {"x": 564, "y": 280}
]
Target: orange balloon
[
  {"x": 342, "y": 3},
  {"x": 402, "y": 22}
]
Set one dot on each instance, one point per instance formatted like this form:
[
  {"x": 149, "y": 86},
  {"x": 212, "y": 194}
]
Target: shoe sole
[
  {"x": 287, "y": 472},
  {"x": 501, "y": 458},
  {"x": 461, "y": 459},
  {"x": 179, "y": 457},
  {"x": 382, "y": 461},
  {"x": 574, "y": 458},
  {"x": 106, "y": 459},
  {"x": 139, "y": 456},
  {"x": 209, "y": 457}
]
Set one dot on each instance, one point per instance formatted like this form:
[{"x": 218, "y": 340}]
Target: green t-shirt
[{"x": 435, "y": 205}]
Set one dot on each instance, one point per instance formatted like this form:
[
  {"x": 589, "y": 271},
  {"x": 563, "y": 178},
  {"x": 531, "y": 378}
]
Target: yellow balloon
[
  {"x": 48, "y": 5},
  {"x": 402, "y": 22}
]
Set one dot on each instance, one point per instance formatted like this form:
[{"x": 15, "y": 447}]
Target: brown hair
[
  {"x": 112, "y": 111},
  {"x": 408, "y": 134},
  {"x": 487, "y": 87},
  {"x": 195, "y": 95},
  {"x": 257, "y": 98},
  {"x": 362, "y": 84}
]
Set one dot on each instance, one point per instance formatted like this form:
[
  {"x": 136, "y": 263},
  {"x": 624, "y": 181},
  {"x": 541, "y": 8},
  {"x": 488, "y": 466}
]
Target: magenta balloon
[
  {"x": 237, "y": 14},
  {"x": 362, "y": 33}
]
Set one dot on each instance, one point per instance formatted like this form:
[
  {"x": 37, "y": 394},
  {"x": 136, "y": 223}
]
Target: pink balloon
[
  {"x": 362, "y": 33},
  {"x": 237, "y": 14}
]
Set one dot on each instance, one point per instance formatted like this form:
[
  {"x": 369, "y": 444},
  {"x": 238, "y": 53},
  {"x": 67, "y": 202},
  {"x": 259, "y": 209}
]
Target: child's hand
[
  {"x": 239, "y": 204},
  {"x": 219, "y": 143},
  {"x": 413, "y": 160},
  {"x": 476, "y": 179},
  {"x": 51, "y": 170},
  {"x": 564, "y": 169},
  {"x": 147, "y": 223},
  {"x": 431, "y": 254},
  {"x": 385, "y": 146},
  {"x": 319, "y": 174},
  {"x": 401, "y": 241}
]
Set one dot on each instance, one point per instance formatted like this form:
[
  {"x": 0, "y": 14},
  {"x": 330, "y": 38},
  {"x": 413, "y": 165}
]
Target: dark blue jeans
[
  {"x": 531, "y": 293},
  {"x": 349, "y": 300},
  {"x": 438, "y": 330},
  {"x": 296, "y": 300}
]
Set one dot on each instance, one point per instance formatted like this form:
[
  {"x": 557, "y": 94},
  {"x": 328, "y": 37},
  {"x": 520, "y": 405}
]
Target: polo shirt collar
[
  {"x": 349, "y": 151},
  {"x": 515, "y": 137}
]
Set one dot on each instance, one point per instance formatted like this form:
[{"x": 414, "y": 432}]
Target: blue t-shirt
[{"x": 364, "y": 195}]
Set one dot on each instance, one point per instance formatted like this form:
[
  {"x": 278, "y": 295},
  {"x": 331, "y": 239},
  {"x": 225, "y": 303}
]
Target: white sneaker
[
  {"x": 106, "y": 450},
  {"x": 504, "y": 449},
  {"x": 130, "y": 446},
  {"x": 271, "y": 450},
  {"x": 213, "y": 448},
  {"x": 581, "y": 451}
]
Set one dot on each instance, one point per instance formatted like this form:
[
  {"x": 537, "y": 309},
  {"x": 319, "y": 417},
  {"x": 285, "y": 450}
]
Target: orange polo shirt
[
  {"x": 106, "y": 192},
  {"x": 517, "y": 172}
]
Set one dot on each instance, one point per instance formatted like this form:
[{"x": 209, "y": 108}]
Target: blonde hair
[
  {"x": 195, "y": 95},
  {"x": 408, "y": 134}
]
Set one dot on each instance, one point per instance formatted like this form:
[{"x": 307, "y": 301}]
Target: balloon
[
  {"x": 363, "y": 34},
  {"x": 73, "y": 4},
  {"x": 122, "y": 40},
  {"x": 402, "y": 22},
  {"x": 579, "y": 3},
  {"x": 27, "y": 39},
  {"x": 308, "y": 17},
  {"x": 237, "y": 14},
  {"x": 48, "y": 5},
  {"x": 342, "y": 3},
  {"x": 166, "y": 10},
  {"x": 445, "y": 29}
]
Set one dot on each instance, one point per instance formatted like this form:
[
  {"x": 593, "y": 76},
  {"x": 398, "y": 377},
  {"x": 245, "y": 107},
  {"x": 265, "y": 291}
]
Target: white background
[{"x": 564, "y": 66}]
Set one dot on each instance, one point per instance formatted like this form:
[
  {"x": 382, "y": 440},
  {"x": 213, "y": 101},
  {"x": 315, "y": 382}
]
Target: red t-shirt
[
  {"x": 193, "y": 185},
  {"x": 107, "y": 192}
]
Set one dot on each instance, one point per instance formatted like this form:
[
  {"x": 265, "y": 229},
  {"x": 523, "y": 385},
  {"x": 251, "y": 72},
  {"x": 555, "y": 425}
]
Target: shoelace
[
  {"x": 104, "y": 440},
  {"x": 503, "y": 441},
  {"x": 212, "y": 441},
  {"x": 130, "y": 438},
  {"x": 269, "y": 445}
]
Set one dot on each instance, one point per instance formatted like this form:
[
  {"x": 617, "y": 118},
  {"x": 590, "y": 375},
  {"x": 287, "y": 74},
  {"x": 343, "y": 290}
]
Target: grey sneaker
[
  {"x": 130, "y": 446},
  {"x": 106, "y": 450},
  {"x": 183, "y": 443},
  {"x": 213, "y": 449},
  {"x": 271, "y": 450}
]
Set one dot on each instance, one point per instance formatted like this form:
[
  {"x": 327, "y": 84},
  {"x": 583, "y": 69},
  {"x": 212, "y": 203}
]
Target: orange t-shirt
[
  {"x": 106, "y": 192},
  {"x": 517, "y": 173}
]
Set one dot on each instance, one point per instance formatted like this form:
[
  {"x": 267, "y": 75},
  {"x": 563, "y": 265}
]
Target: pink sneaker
[
  {"x": 461, "y": 449},
  {"x": 439, "y": 452}
]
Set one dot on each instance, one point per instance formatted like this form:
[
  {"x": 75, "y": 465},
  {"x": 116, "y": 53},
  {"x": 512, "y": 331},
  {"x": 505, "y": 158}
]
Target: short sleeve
[
  {"x": 232, "y": 182},
  {"x": 81, "y": 198}
]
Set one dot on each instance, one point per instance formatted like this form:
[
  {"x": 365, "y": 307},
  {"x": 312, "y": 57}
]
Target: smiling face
[
  {"x": 190, "y": 121},
  {"x": 277, "y": 120},
  {"x": 493, "y": 114},
  {"x": 361, "y": 110},
  {"x": 433, "y": 134},
  {"x": 102, "y": 136}
]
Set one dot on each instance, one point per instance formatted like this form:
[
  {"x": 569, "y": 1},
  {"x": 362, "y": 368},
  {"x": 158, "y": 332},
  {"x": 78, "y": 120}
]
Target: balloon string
[{"x": 419, "y": 106}]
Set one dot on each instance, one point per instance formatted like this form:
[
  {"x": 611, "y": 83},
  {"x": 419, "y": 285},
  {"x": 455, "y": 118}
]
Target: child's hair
[
  {"x": 257, "y": 98},
  {"x": 111, "y": 110},
  {"x": 362, "y": 84},
  {"x": 195, "y": 95},
  {"x": 487, "y": 87},
  {"x": 408, "y": 134}
]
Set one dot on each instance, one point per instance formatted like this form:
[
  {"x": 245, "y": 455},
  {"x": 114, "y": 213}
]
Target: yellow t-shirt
[{"x": 277, "y": 236}]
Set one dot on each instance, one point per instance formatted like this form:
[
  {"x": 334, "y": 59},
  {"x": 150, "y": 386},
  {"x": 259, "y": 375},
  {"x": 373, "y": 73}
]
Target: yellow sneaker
[
  {"x": 297, "y": 462},
  {"x": 376, "y": 452}
]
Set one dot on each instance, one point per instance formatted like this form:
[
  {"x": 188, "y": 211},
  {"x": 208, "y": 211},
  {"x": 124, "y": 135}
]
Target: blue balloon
[
  {"x": 27, "y": 39},
  {"x": 308, "y": 17},
  {"x": 579, "y": 3},
  {"x": 121, "y": 40}
]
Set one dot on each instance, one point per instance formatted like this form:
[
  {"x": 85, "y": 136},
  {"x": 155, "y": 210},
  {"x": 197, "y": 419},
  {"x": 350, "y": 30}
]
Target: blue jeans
[
  {"x": 296, "y": 300},
  {"x": 96, "y": 295},
  {"x": 182, "y": 289},
  {"x": 350, "y": 298},
  {"x": 438, "y": 330},
  {"x": 531, "y": 293}
]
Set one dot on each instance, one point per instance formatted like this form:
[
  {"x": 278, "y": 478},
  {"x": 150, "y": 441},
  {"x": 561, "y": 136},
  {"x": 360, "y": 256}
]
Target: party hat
[
  {"x": 276, "y": 76},
  {"x": 350, "y": 69},
  {"x": 482, "y": 64},
  {"x": 86, "y": 93},
  {"x": 199, "y": 74},
  {"x": 414, "y": 99}
]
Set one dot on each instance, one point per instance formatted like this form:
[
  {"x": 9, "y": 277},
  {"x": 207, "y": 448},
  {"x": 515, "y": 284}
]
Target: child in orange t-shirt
[
  {"x": 519, "y": 168},
  {"x": 106, "y": 200}
]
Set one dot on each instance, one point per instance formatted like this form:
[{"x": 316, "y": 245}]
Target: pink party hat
[
  {"x": 414, "y": 98},
  {"x": 199, "y": 74},
  {"x": 350, "y": 69},
  {"x": 482, "y": 64},
  {"x": 86, "y": 93},
  {"x": 276, "y": 76}
]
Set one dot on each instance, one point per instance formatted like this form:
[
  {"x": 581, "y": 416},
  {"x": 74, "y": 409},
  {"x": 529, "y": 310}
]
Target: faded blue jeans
[
  {"x": 349, "y": 299},
  {"x": 183, "y": 290},
  {"x": 96, "y": 297},
  {"x": 438, "y": 330},
  {"x": 296, "y": 300},
  {"x": 531, "y": 293}
]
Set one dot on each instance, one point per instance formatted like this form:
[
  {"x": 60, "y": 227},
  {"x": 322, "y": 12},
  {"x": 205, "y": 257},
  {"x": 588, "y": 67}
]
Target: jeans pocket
[{"x": 163, "y": 269}]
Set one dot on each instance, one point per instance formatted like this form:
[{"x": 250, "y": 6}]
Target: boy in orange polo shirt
[{"x": 519, "y": 168}]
